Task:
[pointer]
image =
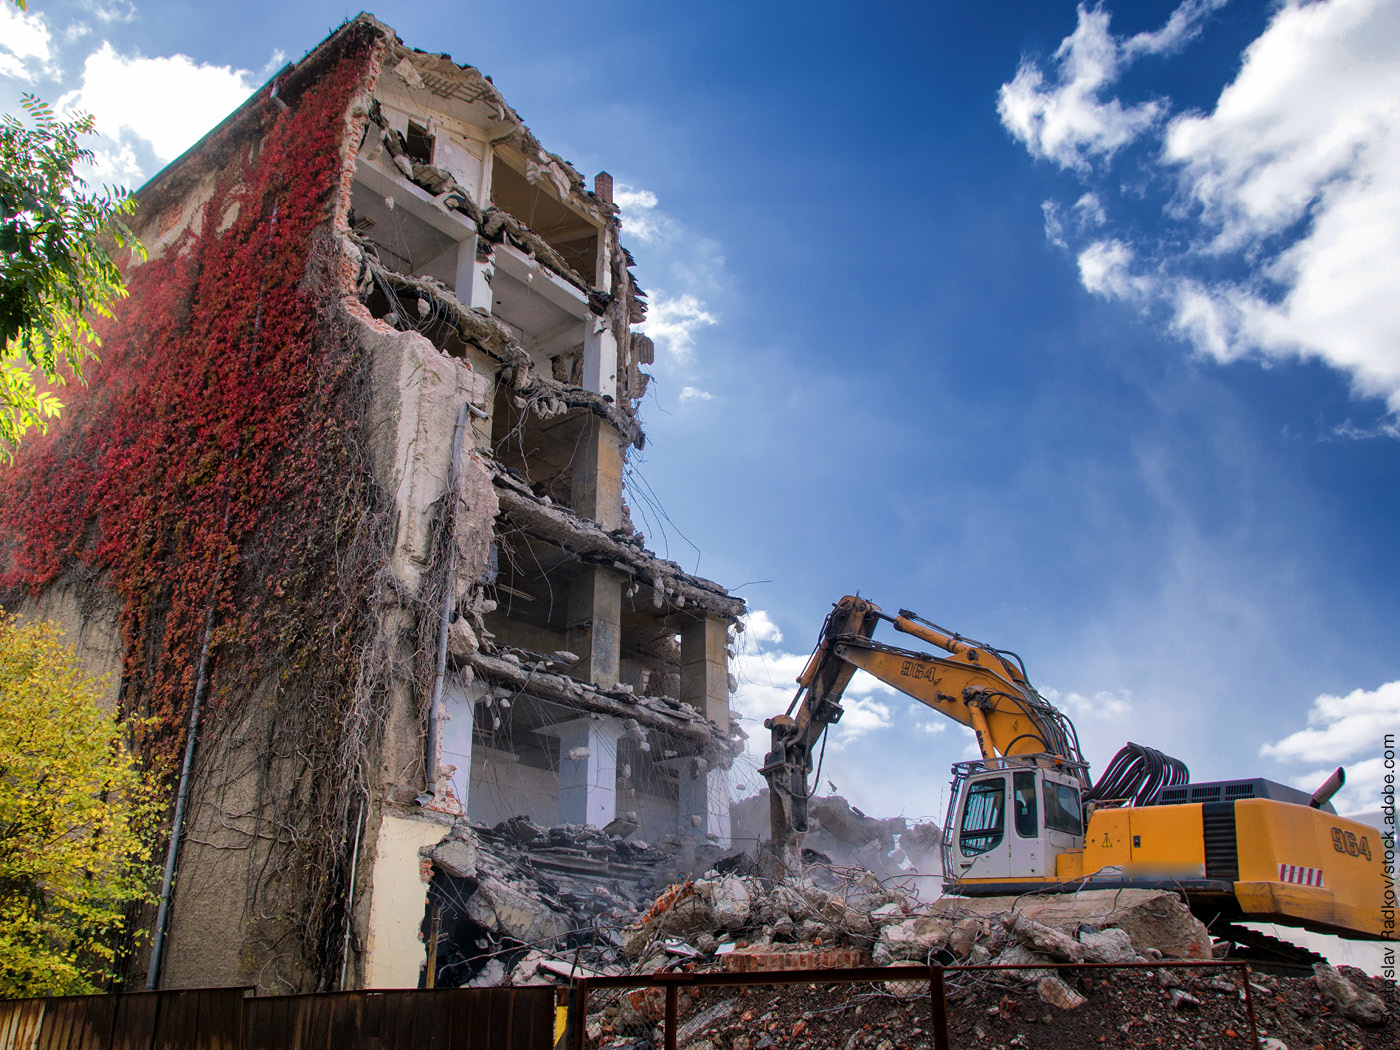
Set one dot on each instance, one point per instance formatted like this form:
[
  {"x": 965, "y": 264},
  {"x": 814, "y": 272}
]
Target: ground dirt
[{"x": 1127, "y": 1008}]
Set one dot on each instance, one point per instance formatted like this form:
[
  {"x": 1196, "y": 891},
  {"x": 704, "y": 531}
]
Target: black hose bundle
[{"x": 1138, "y": 773}]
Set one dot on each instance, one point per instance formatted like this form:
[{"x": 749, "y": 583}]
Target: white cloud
[
  {"x": 693, "y": 393},
  {"x": 768, "y": 682},
  {"x": 1054, "y": 224},
  {"x": 25, "y": 52},
  {"x": 759, "y": 626},
  {"x": 1104, "y": 704},
  {"x": 861, "y": 715},
  {"x": 1088, "y": 211},
  {"x": 1063, "y": 118},
  {"x": 674, "y": 321},
  {"x": 1344, "y": 730},
  {"x": 112, "y": 10},
  {"x": 640, "y": 218},
  {"x": 1105, "y": 269},
  {"x": 1184, "y": 24},
  {"x": 168, "y": 102},
  {"x": 1342, "y": 727},
  {"x": 931, "y": 727},
  {"x": 1288, "y": 182}
]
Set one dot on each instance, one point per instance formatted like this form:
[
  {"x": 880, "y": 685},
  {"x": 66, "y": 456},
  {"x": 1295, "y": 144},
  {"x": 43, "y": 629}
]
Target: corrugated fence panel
[
  {"x": 20, "y": 1023},
  {"x": 77, "y": 1023},
  {"x": 224, "y": 1019},
  {"x": 134, "y": 1026}
]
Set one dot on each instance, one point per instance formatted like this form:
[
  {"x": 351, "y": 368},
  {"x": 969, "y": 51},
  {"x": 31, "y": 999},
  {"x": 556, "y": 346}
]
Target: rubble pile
[
  {"x": 739, "y": 923},
  {"x": 523, "y": 904},
  {"x": 1157, "y": 1007},
  {"x": 517, "y": 895}
]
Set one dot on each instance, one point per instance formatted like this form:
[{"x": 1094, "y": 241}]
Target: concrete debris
[
  {"x": 964, "y": 936},
  {"x": 501, "y": 906},
  {"x": 492, "y": 975},
  {"x": 1021, "y": 956},
  {"x": 1152, "y": 919},
  {"x": 1054, "y": 991},
  {"x": 913, "y": 940},
  {"x": 518, "y": 892},
  {"x": 1108, "y": 946},
  {"x": 706, "y": 1018},
  {"x": 1360, "y": 1006},
  {"x": 455, "y": 857},
  {"x": 1181, "y": 999},
  {"x": 1046, "y": 939}
]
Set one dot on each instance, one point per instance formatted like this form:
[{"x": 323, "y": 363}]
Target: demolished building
[{"x": 342, "y": 510}]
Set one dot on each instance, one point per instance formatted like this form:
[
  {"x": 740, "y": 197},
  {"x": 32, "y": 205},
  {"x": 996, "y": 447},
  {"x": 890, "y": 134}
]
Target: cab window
[
  {"x": 1062, "y": 809},
  {"x": 983, "y": 823},
  {"x": 1023, "y": 799}
]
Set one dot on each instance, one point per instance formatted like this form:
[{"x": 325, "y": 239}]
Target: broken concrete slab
[
  {"x": 1108, "y": 946},
  {"x": 1355, "y": 1004},
  {"x": 1041, "y": 938},
  {"x": 500, "y": 906},
  {"x": 456, "y": 857},
  {"x": 1151, "y": 918},
  {"x": 913, "y": 940}
]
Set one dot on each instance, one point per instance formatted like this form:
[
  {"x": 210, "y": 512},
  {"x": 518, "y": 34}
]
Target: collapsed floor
[{"x": 522, "y": 904}]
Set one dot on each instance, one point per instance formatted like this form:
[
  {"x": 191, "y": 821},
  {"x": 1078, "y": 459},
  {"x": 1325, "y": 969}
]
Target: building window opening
[
  {"x": 419, "y": 144},
  {"x": 542, "y": 451},
  {"x": 568, "y": 232}
]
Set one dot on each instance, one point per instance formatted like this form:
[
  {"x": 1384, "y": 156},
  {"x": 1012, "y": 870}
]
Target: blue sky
[{"x": 1074, "y": 329}]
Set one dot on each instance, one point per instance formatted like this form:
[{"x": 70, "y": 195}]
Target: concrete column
[
  {"x": 703, "y": 806},
  {"x": 473, "y": 278},
  {"x": 595, "y": 625},
  {"x": 600, "y": 358},
  {"x": 597, "y": 483},
  {"x": 455, "y": 742},
  {"x": 705, "y": 669},
  {"x": 587, "y": 769}
]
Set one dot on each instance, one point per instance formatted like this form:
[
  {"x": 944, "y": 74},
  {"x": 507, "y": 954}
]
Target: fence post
[
  {"x": 1249, "y": 1005},
  {"x": 938, "y": 1003},
  {"x": 672, "y": 995},
  {"x": 580, "y": 1039}
]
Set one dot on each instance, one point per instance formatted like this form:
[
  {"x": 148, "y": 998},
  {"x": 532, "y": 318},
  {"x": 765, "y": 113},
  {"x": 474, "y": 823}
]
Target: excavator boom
[{"x": 974, "y": 684}]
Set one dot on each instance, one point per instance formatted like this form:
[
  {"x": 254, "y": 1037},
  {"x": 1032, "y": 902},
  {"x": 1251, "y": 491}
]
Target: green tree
[
  {"x": 77, "y": 819},
  {"x": 56, "y": 269}
]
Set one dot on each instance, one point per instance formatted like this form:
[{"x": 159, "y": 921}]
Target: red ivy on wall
[{"x": 215, "y": 454}]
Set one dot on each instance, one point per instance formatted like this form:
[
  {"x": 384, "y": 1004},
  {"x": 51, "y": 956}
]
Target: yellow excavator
[{"x": 1026, "y": 818}]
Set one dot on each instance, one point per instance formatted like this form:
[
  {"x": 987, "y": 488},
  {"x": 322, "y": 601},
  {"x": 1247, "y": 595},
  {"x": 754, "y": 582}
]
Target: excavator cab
[{"x": 1010, "y": 819}]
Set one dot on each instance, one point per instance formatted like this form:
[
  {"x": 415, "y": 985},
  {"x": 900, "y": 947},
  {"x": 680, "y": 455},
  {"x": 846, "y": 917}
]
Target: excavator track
[{"x": 1269, "y": 954}]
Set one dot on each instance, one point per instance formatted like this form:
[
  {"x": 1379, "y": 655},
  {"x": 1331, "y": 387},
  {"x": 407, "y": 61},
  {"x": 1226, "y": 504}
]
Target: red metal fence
[{"x": 673, "y": 1011}]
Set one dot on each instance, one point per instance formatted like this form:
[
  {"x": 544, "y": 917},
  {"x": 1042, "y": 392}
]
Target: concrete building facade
[{"x": 508, "y": 646}]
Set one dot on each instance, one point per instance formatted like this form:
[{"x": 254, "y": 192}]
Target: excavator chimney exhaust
[{"x": 1324, "y": 794}]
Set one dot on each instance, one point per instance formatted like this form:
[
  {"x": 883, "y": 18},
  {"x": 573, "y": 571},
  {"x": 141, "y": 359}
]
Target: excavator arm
[{"x": 974, "y": 684}]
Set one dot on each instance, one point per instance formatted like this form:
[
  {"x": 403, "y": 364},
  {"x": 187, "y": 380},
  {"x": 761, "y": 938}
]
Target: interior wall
[{"x": 502, "y": 787}]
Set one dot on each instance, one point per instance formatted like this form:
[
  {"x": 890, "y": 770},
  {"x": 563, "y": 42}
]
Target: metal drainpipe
[
  {"x": 158, "y": 943},
  {"x": 434, "y": 705},
  {"x": 350, "y": 903}
]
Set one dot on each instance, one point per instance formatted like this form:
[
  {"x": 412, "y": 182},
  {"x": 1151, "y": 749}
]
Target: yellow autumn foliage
[{"x": 77, "y": 819}]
